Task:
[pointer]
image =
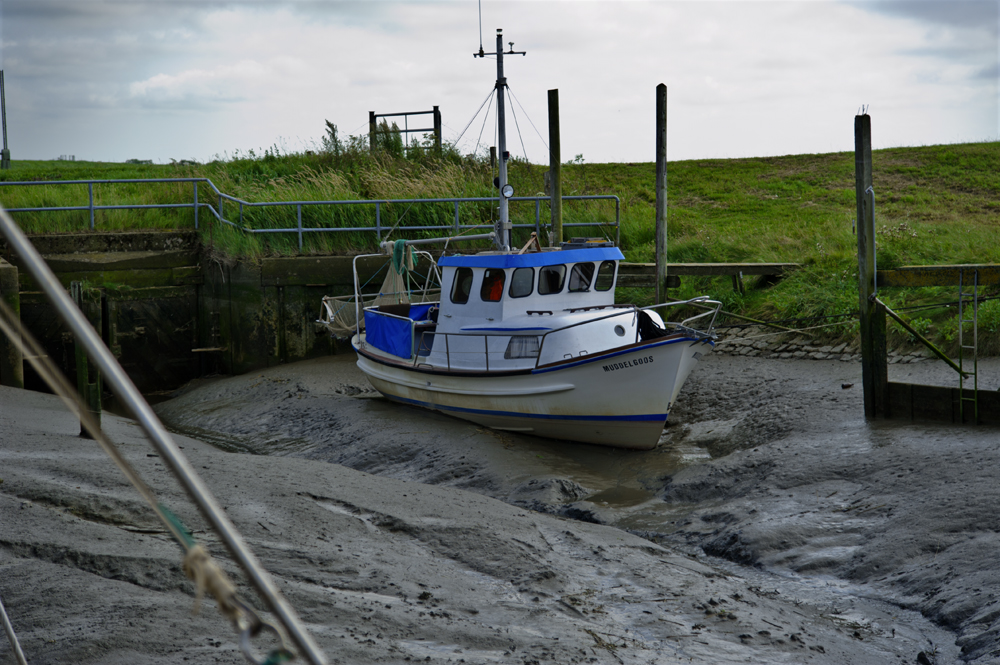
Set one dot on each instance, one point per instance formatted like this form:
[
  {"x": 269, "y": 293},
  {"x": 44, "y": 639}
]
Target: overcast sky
[{"x": 111, "y": 80}]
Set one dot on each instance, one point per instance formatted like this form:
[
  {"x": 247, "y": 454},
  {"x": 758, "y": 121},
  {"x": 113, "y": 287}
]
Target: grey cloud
[{"x": 971, "y": 14}]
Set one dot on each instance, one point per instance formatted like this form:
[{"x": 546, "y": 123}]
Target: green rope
[
  {"x": 178, "y": 525},
  {"x": 399, "y": 256},
  {"x": 278, "y": 656}
]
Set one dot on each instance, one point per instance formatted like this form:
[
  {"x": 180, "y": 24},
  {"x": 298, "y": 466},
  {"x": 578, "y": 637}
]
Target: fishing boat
[{"x": 527, "y": 340}]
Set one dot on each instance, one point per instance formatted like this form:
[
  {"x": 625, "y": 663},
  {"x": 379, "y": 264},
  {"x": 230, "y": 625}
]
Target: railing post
[
  {"x": 298, "y": 210},
  {"x": 538, "y": 215},
  {"x": 456, "y": 218},
  {"x": 90, "y": 196},
  {"x": 378, "y": 221},
  {"x": 241, "y": 214},
  {"x": 196, "y": 205},
  {"x": 618, "y": 222}
]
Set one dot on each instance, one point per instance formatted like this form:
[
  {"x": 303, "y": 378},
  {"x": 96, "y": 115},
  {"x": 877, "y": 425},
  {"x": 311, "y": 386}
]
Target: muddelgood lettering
[{"x": 635, "y": 362}]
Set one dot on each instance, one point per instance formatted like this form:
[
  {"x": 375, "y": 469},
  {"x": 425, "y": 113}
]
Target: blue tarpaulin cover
[{"x": 393, "y": 335}]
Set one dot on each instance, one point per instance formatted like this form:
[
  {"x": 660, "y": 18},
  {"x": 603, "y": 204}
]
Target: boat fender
[{"x": 648, "y": 329}]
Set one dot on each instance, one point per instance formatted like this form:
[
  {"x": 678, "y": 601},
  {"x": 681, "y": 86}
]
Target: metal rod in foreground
[
  {"x": 12, "y": 636},
  {"x": 126, "y": 391}
]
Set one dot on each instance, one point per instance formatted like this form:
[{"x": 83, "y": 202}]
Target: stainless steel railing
[{"x": 216, "y": 208}]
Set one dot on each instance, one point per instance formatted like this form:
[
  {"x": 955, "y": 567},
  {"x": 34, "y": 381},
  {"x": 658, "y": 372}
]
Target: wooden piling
[
  {"x": 90, "y": 390},
  {"x": 874, "y": 359},
  {"x": 11, "y": 360},
  {"x": 555, "y": 170},
  {"x": 661, "y": 193}
]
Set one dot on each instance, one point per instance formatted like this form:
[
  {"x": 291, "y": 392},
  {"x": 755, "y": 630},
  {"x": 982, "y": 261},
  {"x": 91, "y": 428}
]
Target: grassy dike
[{"x": 934, "y": 205}]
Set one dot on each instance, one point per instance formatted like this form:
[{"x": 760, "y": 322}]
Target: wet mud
[
  {"x": 767, "y": 464},
  {"x": 772, "y": 524}
]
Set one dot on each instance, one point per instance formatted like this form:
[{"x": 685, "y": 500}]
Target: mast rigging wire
[
  {"x": 476, "y": 115},
  {"x": 544, "y": 142},
  {"x": 518, "y": 128}
]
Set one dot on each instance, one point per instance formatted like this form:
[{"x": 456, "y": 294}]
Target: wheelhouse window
[
  {"x": 550, "y": 279},
  {"x": 605, "y": 276},
  {"x": 492, "y": 288},
  {"x": 461, "y": 287},
  {"x": 522, "y": 281},
  {"x": 580, "y": 276},
  {"x": 522, "y": 346}
]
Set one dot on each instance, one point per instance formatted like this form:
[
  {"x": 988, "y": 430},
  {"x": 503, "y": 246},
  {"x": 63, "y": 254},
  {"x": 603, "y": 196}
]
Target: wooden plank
[
  {"x": 708, "y": 269},
  {"x": 946, "y": 275},
  {"x": 916, "y": 402},
  {"x": 104, "y": 261},
  {"x": 182, "y": 276}
]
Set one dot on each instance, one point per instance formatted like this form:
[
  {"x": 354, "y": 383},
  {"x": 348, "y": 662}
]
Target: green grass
[{"x": 934, "y": 205}]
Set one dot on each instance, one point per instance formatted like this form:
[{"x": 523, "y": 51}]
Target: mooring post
[
  {"x": 372, "y": 128},
  {"x": 555, "y": 171},
  {"x": 11, "y": 360},
  {"x": 90, "y": 391},
  {"x": 437, "y": 130},
  {"x": 661, "y": 193},
  {"x": 874, "y": 362}
]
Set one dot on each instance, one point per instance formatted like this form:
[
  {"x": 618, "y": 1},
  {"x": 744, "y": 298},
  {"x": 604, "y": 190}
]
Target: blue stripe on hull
[
  {"x": 634, "y": 349},
  {"x": 648, "y": 417}
]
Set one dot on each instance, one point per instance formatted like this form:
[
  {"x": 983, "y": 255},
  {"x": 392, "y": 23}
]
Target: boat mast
[{"x": 504, "y": 225}]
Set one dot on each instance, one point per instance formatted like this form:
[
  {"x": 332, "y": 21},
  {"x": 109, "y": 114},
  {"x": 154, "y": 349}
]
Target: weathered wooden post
[
  {"x": 437, "y": 129},
  {"x": 874, "y": 362},
  {"x": 11, "y": 360},
  {"x": 661, "y": 193},
  {"x": 372, "y": 128},
  {"x": 555, "y": 170},
  {"x": 90, "y": 391}
]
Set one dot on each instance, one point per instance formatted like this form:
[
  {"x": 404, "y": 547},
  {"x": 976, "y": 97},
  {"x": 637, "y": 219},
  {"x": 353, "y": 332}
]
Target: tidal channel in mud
[{"x": 766, "y": 464}]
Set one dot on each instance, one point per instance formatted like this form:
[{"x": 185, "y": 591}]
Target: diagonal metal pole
[
  {"x": 126, "y": 391},
  {"x": 12, "y": 636}
]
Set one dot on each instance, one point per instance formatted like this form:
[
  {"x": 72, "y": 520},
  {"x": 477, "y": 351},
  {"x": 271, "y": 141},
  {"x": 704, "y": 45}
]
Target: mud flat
[{"x": 401, "y": 535}]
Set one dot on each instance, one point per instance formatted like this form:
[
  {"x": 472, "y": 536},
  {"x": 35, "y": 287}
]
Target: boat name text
[{"x": 628, "y": 363}]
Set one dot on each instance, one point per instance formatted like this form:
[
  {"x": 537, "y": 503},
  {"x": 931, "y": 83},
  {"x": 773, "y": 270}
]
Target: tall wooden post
[
  {"x": 437, "y": 129},
  {"x": 874, "y": 363},
  {"x": 661, "y": 193},
  {"x": 372, "y": 128},
  {"x": 4, "y": 152},
  {"x": 11, "y": 360},
  {"x": 555, "y": 170},
  {"x": 90, "y": 391}
]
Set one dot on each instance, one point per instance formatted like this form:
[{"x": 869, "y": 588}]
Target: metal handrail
[
  {"x": 217, "y": 211},
  {"x": 623, "y": 310}
]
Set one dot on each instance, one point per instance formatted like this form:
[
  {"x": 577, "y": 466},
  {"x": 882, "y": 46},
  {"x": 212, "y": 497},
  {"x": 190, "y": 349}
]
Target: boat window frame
[
  {"x": 488, "y": 274},
  {"x": 457, "y": 280},
  {"x": 614, "y": 274},
  {"x": 562, "y": 278},
  {"x": 574, "y": 271},
  {"x": 513, "y": 278}
]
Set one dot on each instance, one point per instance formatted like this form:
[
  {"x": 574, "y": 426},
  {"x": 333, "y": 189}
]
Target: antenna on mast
[{"x": 503, "y": 225}]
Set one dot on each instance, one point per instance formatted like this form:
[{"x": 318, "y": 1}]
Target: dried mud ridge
[{"x": 766, "y": 342}]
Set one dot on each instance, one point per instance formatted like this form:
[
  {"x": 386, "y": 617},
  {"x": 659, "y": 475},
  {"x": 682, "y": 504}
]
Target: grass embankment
[{"x": 934, "y": 205}]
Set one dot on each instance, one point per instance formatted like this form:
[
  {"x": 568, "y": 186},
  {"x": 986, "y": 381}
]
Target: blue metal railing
[{"x": 218, "y": 212}]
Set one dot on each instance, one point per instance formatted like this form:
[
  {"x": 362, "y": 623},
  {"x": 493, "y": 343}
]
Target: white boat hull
[{"x": 619, "y": 398}]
